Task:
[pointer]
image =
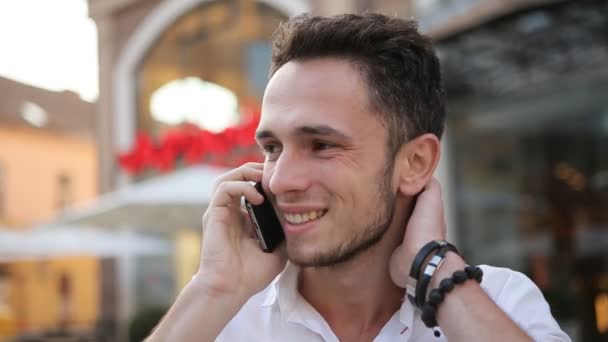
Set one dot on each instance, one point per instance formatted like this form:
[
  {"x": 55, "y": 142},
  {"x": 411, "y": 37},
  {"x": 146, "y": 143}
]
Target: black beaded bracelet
[{"x": 429, "y": 309}]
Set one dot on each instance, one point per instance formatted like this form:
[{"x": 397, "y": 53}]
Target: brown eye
[
  {"x": 271, "y": 151},
  {"x": 322, "y": 145}
]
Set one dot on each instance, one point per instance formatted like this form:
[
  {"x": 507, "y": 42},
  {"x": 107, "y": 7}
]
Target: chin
[
  {"x": 316, "y": 256},
  {"x": 313, "y": 254},
  {"x": 302, "y": 255}
]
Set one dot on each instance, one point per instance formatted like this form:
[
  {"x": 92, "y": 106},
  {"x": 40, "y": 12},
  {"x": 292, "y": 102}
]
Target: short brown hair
[{"x": 398, "y": 64}]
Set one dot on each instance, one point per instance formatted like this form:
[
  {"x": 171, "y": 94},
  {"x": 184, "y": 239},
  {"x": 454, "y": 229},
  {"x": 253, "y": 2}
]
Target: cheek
[
  {"x": 350, "y": 175},
  {"x": 351, "y": 160},
  {"x": 343, "y": 167}
]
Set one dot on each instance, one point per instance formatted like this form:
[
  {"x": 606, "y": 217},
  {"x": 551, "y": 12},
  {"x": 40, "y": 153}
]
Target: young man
[{"x": 351, "y": 122}]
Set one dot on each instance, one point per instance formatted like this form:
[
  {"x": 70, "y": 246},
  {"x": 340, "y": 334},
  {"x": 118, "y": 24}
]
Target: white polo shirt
[{"x": 280, "y": 313}]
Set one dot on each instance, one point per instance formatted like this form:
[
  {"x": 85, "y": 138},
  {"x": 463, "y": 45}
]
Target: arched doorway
[{"x": 222, "y": 42}]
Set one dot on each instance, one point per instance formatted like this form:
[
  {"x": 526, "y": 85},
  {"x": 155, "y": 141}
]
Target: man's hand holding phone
[
  {"x": 233, "y": 267},
  {"x": 232, "y": 261}
]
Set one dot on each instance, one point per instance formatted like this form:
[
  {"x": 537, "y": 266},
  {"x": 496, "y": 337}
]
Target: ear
[{"x": 416, "y": 163}]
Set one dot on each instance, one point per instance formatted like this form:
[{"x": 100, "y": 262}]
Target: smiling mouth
[{"x": 304, "y": 217}]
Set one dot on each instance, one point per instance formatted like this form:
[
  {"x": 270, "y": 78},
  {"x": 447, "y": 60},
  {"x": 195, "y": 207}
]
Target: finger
[
  {"x": 428, "y": 211},
  {"x": 433, "y": 183},
  {"x": 230, "y": 192},
  {"x": 246, "y": 172}
]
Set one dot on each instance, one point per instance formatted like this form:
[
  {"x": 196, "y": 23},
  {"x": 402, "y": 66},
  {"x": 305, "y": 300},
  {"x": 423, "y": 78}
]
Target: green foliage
[{"x": 144, "y": 322}]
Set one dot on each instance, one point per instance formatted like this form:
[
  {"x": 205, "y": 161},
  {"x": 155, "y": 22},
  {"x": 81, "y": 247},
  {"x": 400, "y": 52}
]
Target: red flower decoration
[{"x": 232, "y": 147}]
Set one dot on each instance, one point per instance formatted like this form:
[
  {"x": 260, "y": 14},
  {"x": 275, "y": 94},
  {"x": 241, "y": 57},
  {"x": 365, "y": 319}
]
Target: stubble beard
[{"x": 368, "y": 237}]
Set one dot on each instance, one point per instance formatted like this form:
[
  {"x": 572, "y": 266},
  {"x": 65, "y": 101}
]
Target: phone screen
[{"x": 265, "y": 222}]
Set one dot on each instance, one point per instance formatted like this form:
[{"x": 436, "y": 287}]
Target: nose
[{"x": 289, "y": 173}]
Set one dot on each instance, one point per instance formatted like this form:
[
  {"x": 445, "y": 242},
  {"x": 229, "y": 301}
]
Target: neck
[{"x": 358, "y": 294}]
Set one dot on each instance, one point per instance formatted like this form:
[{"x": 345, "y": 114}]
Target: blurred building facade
[
  {"x": 48, "y": 162},
  {"x": 47, "y": 139},
  {"x": 524, "y": 172},
  {"x": 528, "y": 129}
]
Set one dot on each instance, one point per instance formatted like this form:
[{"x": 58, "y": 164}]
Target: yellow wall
[
  {"x": 35, "y": 297},
  {"x": 31, "y": 162},
  {"x": 187, "y": 256}
]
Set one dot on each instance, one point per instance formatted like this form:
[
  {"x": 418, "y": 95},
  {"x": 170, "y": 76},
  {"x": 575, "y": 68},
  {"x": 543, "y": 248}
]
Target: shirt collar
[
  {"x": 283, "y": 291},
  {"x": 284, "y": 288}
]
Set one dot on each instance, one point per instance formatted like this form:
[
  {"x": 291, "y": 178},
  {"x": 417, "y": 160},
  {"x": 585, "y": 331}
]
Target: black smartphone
[{"x": 265, "y": 222}]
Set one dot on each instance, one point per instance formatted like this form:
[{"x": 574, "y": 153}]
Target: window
[{"x": 64, "y": 191}]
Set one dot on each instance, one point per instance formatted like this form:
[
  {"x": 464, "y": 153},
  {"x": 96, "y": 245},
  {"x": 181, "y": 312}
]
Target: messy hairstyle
[{"x": 397, "y": 63}]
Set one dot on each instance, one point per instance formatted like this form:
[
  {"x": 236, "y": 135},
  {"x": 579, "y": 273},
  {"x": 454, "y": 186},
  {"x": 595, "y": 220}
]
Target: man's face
[{"x": 327, "y": 166}]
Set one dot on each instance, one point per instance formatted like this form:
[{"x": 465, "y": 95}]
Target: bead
[
  {"x": 470, "y": 272},
  {"x": 478, "y": 274},
  {"x": 459, "y": 277},
  {"x": 428, "y": 315},
  {"x": 446, "y": 285},
  {"x": 435, "y": 297}
]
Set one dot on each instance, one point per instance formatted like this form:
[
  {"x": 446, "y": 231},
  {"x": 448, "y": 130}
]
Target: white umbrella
[
  {"x": 43, "y": 243},
  {"x": 161, "y": 204}
]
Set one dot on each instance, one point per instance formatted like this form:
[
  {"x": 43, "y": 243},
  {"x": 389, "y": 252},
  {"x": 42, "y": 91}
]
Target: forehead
[{"x": 324, "y": 91}]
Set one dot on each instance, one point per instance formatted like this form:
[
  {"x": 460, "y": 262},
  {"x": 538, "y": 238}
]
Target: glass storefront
[{"x": 528, "y": 125}]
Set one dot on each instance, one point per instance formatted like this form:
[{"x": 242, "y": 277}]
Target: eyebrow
[{"x": 318, "y": 130}]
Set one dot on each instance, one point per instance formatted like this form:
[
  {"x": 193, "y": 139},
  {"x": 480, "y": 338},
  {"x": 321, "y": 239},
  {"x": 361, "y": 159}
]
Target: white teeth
[{"x": 303, "y": 217}]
